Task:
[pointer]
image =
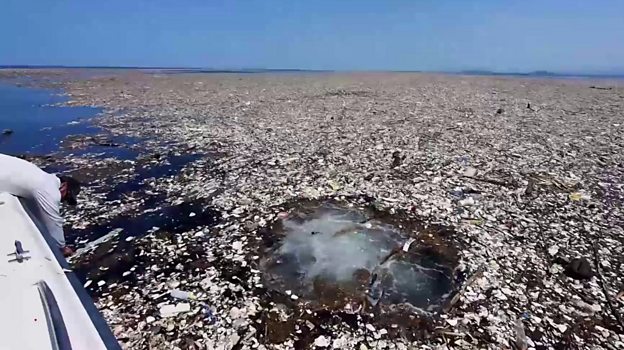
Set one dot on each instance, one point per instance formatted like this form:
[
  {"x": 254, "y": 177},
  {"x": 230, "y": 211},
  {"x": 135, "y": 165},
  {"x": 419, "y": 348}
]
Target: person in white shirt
[{"x": 42, "y": 192}]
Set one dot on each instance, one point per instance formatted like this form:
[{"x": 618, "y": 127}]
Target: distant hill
[
  {"x": 537, "y": 73},
  {"x": 541, "y": 73}
]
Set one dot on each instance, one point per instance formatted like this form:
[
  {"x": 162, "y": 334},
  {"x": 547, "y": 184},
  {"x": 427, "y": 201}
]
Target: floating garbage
[
  {"x": 209, "y": 314},
  {"x": 305, "y": 134},
  {"x": 407, "y": 244},
  {"x": 321, "y": 342},
  {"x": 96, "y": 243},
  {"x": 577, "y": 196},
  {"x": 169, "y": 310},
  {"x": 180, "y": 294}
]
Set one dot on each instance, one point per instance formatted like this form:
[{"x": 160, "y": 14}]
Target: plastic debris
[
  {"x": 183, "y": 295},
  {"x": 553, "y": 250},
  {"x": 407, "y": 244},
  {"x": 94, "y": 244},
  {"x": 577, "y": 196},
  {"x": 209, "y": 314},
  {"x": 321, "y": 342},
  {"x": 470, "y": 172},
  {"x": 521, "y": 339},
  {"x": 169, "y": 310}
]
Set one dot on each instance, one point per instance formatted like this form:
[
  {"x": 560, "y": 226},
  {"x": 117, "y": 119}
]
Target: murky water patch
[
  {"x": 117, "y": 258},
  {"x": 170, "y": 165},
  {"x": 346, "y": 257}
]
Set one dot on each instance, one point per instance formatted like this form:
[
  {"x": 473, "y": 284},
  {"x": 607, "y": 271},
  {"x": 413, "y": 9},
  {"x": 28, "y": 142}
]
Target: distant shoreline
[
  {"x": 190, "y": 70},
  {"x": 542, "y": 74}
]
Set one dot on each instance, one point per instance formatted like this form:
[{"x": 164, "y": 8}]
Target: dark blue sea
[{"x": 37, "y": 123}]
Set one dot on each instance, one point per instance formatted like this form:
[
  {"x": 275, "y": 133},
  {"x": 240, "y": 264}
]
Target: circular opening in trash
[{"x": 341, "y": 256}]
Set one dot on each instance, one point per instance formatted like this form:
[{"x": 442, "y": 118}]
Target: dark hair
[{"x": 73, "y": 188}]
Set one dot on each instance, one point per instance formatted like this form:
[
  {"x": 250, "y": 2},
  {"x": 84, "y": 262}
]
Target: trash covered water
[
  {"x": 517, "y": 192},
  {"x": 113, "y": 259},
  {"x": 331, "y": 246},
  {"x": 172, "y": 165}
]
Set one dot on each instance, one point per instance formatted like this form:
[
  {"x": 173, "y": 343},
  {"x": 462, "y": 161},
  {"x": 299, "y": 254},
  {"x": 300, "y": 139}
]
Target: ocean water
[{"x": 38, "y": 124}]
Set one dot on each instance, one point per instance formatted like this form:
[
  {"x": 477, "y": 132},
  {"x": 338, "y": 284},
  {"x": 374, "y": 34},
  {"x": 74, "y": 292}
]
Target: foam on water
[
  {"x": 332, "y": 246},
  {"x": 341, "y": 247}
]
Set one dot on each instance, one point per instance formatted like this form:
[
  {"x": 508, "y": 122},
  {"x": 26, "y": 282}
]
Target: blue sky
[{"x": 449, "y": 35}]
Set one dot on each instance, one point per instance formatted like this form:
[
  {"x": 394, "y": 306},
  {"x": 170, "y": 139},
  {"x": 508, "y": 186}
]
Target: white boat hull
[{"x": 23, "y": 320}]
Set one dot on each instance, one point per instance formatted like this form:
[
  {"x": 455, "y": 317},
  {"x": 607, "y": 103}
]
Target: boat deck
[{"x": 25, "y": 323}]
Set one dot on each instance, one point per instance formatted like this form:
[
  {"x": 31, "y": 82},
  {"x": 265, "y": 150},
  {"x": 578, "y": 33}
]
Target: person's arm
[{"x": 49, "y": 213}]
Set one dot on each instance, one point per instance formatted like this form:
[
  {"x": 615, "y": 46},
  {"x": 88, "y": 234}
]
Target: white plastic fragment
[
  {"x": 321, "y": 342},
  {"x": 406, "y": 245},
  {"x": 470, "y": 172},
  {"x": 553, "y": 250},
  {"x": 180, "y": 294},
  {"x": 169, "y": 310}
]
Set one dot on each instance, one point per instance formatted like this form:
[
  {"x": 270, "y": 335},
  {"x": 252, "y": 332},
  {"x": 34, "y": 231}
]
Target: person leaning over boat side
[{"x": 42, "y": 192}]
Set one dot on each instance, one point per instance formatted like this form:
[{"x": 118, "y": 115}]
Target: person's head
[{"x": 70, "y": 188}]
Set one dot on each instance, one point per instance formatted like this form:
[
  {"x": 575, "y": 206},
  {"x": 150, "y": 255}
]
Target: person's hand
[{"x": 67, "y": 251}]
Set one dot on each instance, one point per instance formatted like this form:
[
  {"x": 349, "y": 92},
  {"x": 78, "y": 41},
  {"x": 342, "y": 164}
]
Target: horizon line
[{"x": 542, "y": 73}]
